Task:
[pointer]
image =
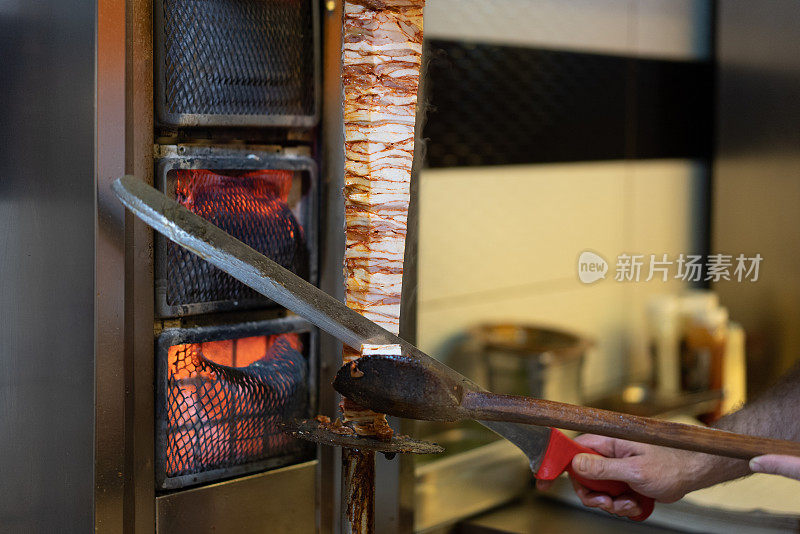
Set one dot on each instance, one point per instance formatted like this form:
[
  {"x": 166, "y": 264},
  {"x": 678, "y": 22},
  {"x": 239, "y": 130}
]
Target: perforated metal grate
[
  {"x": 250, "y": 205},
  {"x": 220, "y": 416},
  {"x": 237, "y": 57}
]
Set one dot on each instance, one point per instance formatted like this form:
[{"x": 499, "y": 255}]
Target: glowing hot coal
[
  {"x": 253, "y": 206},
  {"x": 226, "y": 398}
]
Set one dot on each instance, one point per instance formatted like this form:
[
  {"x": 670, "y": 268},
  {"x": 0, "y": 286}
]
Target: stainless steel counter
[{"x": 535, "y": 514}]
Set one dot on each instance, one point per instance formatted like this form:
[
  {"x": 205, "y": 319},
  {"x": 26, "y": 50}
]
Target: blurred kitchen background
[
  {"x": 602, "y": 142},
  {"x": 615, "y": 127},
  {"x": 554, "y": 129}
]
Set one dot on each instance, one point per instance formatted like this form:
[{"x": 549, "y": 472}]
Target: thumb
[
  {"x": 788, "y": 466},
  {"x": 601, "y": 468}
]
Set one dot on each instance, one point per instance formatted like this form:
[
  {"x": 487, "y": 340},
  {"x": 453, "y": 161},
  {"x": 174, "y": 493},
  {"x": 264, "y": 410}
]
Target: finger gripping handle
[{"x": 558, "y": 458}]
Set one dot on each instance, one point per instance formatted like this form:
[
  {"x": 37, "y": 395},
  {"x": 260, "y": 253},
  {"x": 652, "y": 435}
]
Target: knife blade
[{"x": 549, "y": 452}]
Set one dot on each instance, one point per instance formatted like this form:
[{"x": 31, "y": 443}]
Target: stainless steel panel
[
  {"x": 681, "y": 516},
  {"x": 139, "y": 503},
  {"x": 277, "y": 501},
  {"x": 469, "y": 483},
  {"x": 111, "y": 379},
  {"x": 47, "y": 237},
  {"x": 756, "y": 190},
  {"x": 332, "y": 251}
]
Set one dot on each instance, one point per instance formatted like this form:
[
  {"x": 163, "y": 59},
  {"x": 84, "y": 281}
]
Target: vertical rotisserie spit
[
  {"x": 381, "y": 58},
  {"x": 381, "y": 61}
]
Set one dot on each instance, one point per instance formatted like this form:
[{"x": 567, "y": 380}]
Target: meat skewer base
[{"x": 313, "y": 430}]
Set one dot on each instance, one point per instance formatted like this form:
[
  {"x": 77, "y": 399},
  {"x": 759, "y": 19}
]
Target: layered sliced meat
[{"x": 382, "y": 53}]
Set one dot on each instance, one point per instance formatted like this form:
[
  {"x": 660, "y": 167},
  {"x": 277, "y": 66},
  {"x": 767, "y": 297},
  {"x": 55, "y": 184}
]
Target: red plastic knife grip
[{"x": 558, "y": 458}]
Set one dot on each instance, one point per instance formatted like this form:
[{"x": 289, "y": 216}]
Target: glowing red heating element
[
  {"x": 245, "y": 190},
  {"x": 225, "y": 399},
  {"x": 253, "y": 206}
]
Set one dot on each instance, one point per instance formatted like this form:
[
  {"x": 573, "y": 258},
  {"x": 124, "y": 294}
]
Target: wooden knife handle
[{"x": 527, "y": 410}]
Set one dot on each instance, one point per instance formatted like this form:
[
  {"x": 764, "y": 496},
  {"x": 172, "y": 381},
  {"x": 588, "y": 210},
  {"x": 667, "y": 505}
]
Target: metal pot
[{"x": 526, "y": 360}]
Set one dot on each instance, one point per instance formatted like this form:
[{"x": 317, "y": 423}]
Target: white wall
[{"x": 668, "y": 29}]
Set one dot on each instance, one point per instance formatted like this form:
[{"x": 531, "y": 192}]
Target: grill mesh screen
[
  {"x": 224, "y": 413},
  {"x": 238, "y": 57},
  {"x": 251, "y": 206}
]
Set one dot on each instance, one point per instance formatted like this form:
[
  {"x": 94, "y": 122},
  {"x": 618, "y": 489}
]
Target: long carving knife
[{"x": 549, "y": 452}]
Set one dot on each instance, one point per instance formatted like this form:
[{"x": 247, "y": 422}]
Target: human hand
[
  {"x": 775, "y": 464},
  {"x": 658, "y": 472}
]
